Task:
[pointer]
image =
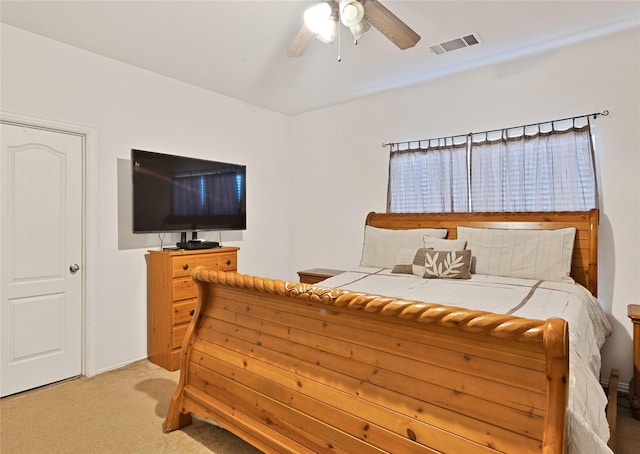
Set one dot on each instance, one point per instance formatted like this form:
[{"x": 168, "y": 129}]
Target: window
[
  {"x": 432, "y": 179},
  {"x": 545, "y": 167}
]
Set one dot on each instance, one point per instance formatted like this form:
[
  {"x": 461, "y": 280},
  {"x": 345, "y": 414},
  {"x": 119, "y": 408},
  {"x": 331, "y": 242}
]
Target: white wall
[
  {"x": 339, "y": 170},
  {"x": 132, "y": 108},
  {"x": 313, "y": 177}
]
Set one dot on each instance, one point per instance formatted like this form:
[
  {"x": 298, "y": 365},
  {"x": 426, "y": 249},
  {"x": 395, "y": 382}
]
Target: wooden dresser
[
  {"x": 634, "y": 386},
  {"x": 171, "y": 297}
]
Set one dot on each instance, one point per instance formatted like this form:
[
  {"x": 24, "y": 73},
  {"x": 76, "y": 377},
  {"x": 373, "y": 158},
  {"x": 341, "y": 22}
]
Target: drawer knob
[
  {"x": 191, "y": 312},
  {"x": 228, "y": 262},
  {"x": 185, "y": 266}
]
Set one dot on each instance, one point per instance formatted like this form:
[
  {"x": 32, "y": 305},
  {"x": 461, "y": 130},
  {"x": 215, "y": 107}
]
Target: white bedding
[{"x": 587, "y": 428}]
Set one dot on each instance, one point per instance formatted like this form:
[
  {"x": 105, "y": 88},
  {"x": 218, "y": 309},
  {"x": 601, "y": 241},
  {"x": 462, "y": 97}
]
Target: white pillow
[
  {"x": 528, "y": 254},
  {"x": 381, "y": 246},
  {"x": 444, "y": 245}
]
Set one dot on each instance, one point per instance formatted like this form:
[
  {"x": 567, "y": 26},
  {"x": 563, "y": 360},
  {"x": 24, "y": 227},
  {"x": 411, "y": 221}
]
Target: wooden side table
[
  {"x": 633, "y": 311},
  {"x": 315, "y": 275}
]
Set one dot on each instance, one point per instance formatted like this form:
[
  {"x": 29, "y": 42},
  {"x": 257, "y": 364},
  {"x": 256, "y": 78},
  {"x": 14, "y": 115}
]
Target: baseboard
[
  {"x": 118, "y": 366},
  {"x": 623, "y": 387}
]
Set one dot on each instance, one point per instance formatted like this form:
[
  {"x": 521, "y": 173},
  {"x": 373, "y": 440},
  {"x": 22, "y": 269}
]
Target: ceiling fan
[{"x": 321, "y": 21}]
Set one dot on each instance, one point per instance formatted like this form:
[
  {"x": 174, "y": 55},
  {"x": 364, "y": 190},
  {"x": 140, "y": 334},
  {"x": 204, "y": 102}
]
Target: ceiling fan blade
[
  {"x": 389, "y": 25},
  {"x": 300, "y": 42}
]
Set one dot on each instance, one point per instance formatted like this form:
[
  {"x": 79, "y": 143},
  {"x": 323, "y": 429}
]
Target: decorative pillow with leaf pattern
[
  {"x": 431, "y": 264},
  {"x": 447, "y": 264}
]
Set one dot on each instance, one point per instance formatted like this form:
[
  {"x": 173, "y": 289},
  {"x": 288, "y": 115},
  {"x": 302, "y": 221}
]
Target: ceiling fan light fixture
[
  {"x": 329, "y": 32},
  {"x": 351, "y": 12},
  {"x": 359, "y": 29},
  {"x": 317, "y": 16},
  {"x": 323, "y": 19}
]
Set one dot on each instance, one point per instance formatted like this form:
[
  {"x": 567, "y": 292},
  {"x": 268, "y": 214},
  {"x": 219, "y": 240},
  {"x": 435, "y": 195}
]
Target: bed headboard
[{"x": 584, "y": 266}]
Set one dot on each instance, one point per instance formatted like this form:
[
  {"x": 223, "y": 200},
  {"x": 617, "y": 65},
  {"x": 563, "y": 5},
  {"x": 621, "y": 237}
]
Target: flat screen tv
[{"x": 176, "y": 194}]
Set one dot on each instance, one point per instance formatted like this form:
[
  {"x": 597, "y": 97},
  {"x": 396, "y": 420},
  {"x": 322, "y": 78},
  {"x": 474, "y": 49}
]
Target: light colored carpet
[
  {"x": 628, "y": 429},
  {"x": 117, "y": 412},
  {"x": 122, "y": 412}
]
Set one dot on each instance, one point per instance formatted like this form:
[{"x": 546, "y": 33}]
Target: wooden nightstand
[
  {"x": 633, "y": 311},
  {"x": 315, "y": 275}
]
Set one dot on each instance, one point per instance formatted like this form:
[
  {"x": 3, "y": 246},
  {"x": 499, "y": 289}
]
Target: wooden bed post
[
  {"x": 556, "y": 345},
  {"x": 592, "y": 270},
  {"x": 175, "y": 416}
]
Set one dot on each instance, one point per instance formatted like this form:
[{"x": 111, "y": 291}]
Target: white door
[{"x": 41, "y": 251}]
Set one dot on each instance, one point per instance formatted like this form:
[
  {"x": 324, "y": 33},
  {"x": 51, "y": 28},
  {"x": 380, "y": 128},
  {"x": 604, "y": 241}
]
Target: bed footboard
[{"x": 291, "y": 367}]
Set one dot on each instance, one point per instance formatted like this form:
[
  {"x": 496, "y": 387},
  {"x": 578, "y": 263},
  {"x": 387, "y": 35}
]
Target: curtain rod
[{"x": 595, "y": 115}]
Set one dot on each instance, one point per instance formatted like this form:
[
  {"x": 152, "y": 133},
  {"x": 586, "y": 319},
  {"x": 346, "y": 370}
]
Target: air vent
[
  {"x": 455, "y": 44},
  {"x": 470, "y": 40}
]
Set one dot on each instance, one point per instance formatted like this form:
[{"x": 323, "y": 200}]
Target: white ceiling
[{"x": 239, "y": 48}]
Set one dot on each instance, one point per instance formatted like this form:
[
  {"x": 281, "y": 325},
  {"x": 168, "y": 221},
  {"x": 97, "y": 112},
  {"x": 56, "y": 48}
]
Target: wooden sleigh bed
[{"x": 299, "y": 368}]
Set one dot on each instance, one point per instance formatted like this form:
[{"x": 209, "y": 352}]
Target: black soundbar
[{"x": 190, "y": 245}]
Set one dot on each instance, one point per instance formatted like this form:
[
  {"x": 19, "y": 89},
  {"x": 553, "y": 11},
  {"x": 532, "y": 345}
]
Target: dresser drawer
[
  {"x": 178, "y": 334},
  {"x": 184, "y": 289},
  {"x": 210, "y": 261},
  {"x": 174, "y": 359},
  {"x": 183, "y": 265},
  {"x": 183, "y": 311},
  {"x": 228, "y": 262}
]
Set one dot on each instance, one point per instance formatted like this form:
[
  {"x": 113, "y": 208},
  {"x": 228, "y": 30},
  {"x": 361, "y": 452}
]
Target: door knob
[{"x": 74, "y": 268}]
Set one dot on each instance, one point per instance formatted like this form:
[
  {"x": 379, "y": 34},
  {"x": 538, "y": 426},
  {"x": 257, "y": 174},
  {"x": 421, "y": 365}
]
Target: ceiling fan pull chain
[{"x": 339, "y": 43}]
